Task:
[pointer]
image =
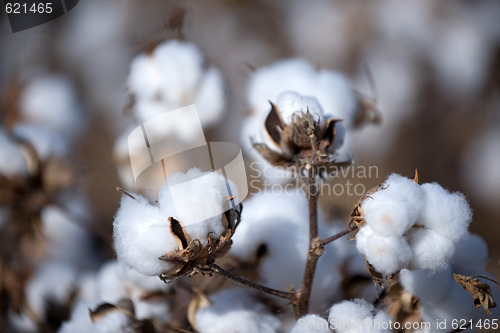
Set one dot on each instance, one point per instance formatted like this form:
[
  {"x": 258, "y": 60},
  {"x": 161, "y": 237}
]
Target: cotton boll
[
  {"x": 145, "y": 79},
  {"x": 430, "y": 249},
  {"x": 142, "y": 234},
  {"x": 290, "y": 103},
  {"x": 151, "y": 308},
  {"x": 115, "y": 322},
  {"x": 386, "y": 254},
  {"x": 311, "y": 324},
  {"x": 180, "y": 63},
  {"x": 80, "y": 319},
  {"x": 406, "y": 189},
  {"x": 12, "y": 161},
  {"x": 387, "y": 215},
  {"x": 52, "y": 282},
  {"x": 50, "y": 101},
  {"x": 210, "y": 97},
  {"x": 357, "y": 317},
  {"x": 446, "y": 213},
  {"x": 235, "y": 310},
  {"x": 198, "y": 205},
  {"x": 266, "y": 83},
  {"x": 173, "y": 76},
  {"x": 65, "y": 238},
  {"x": 110, "y": 282}
]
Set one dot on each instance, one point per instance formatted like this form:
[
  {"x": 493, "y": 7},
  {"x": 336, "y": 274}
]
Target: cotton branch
[
  {"x": 341, "y": 234},
  {"x": 212, "y": 267},
  {"x": 315, "y": 248}
]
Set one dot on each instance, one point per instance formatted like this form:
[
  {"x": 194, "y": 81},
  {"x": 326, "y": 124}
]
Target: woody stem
[
  {"x": 315, "y": 249},
  {"x": 341, "y": 234},
  {"x": 212, "y": 267}
]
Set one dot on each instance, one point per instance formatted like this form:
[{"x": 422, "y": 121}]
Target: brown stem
[
  {"x": 315, "y": 249},
  {"x": 270, "y": 291},
  {"x": 341, "y": 234},
  {"x": 486, "y": 278}
]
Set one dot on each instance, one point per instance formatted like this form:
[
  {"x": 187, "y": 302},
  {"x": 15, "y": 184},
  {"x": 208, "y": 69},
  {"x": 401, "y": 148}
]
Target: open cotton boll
[
  {"x": 446, "y": 213},
  {"x": 290, "y": 103},
  {"x": 198, "y": 205},
  {"x": 210, "y": 96},
  {"x": 174, "y": 75},
  {"x": 142, "y": 234},
  {"x": 357, "y": 316},
  {"x": 267, "y": 82},
  {"x": 386, "y": 254},
  {"x": 12, "y": 161},
  {"x": 430, "y": 249},
  {"x": 311, "y": 324},
  {"x": 234, "y": 310},
  {"x": 50, "y": 101},
  {"x": 53, "y": 282},
  {"x": 387, "y": 215},
  {"x": 157, "y": 308},
  {"x": 110, "y": 282},
  {"x": 407, "y": 190},
  {"x": 66, "y": 240},
  {"x": 46, "y": 142},
  {"x": 145, "y": 79},
  {"x": 114, "y": 322},
  {"x": 80, "y": 319}
]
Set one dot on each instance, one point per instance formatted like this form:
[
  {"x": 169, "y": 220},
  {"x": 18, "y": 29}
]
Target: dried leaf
[
  {"x": 274, "y": 124},
  {"x": 480, "y": 291}
]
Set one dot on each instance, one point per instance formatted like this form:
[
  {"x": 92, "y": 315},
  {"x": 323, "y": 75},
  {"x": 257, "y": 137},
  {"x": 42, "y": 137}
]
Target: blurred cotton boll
[
  {"x": 311, "y": 324},
  {"x": 358, "y": 316},
  {"x": 50, "y": 101},
  {"x": 12, "y": 160},
  {"x": 174, "y": 75},
  {"x": 235, "y": 310}
]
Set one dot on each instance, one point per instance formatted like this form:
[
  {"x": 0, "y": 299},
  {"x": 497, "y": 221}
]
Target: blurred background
[{"x": 435, "y": 64}]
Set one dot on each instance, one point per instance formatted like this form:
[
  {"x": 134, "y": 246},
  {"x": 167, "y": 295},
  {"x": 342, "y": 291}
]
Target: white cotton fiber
[
  {"x": 290, "y": 103},
  {"x": 145, "y": 79},
  {"x": 210, "y": 97},
  {"x": 407, "y": 191},
  {"x": 311, "y": 323},
  {"x": 80, "y": 318},
  {"x": 386, "y": 254},
  {"x": 430, "y": 249},
  {"x": 12, "y": 161},
  {"x": 114, "y": 322},
  {"x": 387, "y": 215},
  {"x": 356, "y": 316},
  {"x": 234, "y": 310},
  {"x": 174, "y": 75},
  {"x": 142, "y": 234},
  {"x": 50, "y": 101},
  {"x": 446, "y": 213},
  {"x": 110, "y": 282},
  {"x": 53, "y": 282},
  {"x": 198, "y": 205}
]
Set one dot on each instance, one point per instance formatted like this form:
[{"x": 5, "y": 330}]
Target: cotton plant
[
  {"x": 43, "y": 206},
  {"x": 294, "y": 88}
]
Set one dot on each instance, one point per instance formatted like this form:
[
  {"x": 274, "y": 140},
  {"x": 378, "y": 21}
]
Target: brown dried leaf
[{"x": 480, "y": 291}]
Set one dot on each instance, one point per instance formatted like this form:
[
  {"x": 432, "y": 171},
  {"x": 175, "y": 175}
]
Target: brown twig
[
  {"x": 315, "y": 249},
  {"x": 341, "y": 234},
  {"x": 212, "y": 267}
]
